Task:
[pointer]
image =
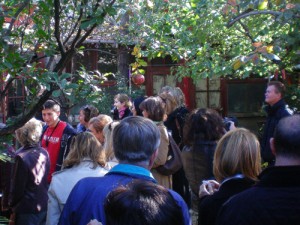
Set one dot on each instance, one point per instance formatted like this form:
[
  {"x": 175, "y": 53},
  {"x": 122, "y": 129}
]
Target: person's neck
[
  {"x": 287, "y": 161},
  {"x": 56, "y": 124},
  {"x": 140, "y": 164},
  {"x": 271, "y": 104},
  {"x": 122, "y": 108}
]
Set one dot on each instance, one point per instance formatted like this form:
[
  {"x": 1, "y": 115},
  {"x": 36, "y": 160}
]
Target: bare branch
[
  {"x": 241, "y": 16},
  {"x": 246, "y": 31},
  {"x": 57, "y": 26},
  {"x": 88, "y": 32},
  {"x": 23, "y": 118},
  {"x": 50, "y": 61},
  {"x": 75, "y": 26},
  {"x": 77, "y": 42},
  {"x": 15, "y": 16}
]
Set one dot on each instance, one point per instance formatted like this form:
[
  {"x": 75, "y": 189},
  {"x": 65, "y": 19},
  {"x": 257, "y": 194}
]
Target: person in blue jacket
[{"x": 135, "y": 142}]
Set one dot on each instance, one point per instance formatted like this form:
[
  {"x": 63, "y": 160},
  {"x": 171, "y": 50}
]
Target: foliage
[
  {"x": 293, "y": 97},
  {"x": 37, "y": 41},
  {"x": 3, "y": 220},
  {"x": 222, "y": 37}
]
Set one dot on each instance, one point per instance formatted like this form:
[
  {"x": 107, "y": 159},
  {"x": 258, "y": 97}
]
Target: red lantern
[{"x": 138, "y": 79}]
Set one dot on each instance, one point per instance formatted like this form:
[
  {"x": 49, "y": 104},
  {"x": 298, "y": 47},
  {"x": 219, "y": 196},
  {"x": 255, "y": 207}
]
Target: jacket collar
[
  {"x": 280, "y": 176},
  {"x": 272, "y": 109},
  {"x": 132, "y": 170}
]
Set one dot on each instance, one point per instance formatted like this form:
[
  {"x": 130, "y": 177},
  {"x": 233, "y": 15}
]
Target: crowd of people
[{"x": 105, "y": 170}]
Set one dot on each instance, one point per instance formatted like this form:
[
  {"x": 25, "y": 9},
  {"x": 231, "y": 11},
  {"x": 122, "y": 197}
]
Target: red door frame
[{"x": 186, "y": 85}]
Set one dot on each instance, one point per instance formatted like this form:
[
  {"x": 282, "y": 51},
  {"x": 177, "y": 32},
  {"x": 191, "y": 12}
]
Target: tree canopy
[
  {"x": 37, "y": 41},
  {"x": 222, "y": 37}
]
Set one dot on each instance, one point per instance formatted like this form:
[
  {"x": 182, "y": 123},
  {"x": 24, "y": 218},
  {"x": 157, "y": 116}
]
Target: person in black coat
[
  {"x": 122, "y": 106},
  {"x": 236, "y": 167},
  {"x": 29, "y": 190},
  {"x": 202, "y": 130},
  {"x": 275, "y": 198},
  {"x": 276, "y": 109}
]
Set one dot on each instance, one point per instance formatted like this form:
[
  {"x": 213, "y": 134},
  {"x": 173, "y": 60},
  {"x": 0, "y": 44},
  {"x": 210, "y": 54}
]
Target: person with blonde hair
[
  {"x": 85, "y": 159},
  {"x": 108, "y": 144},
  {"x": 97, "y": 124},
  {"x": 28, "y": 197},
  {"x": 274, "y": 199},
  {"x": 176, "y": 114},
  {"x": 122, "y": 106},
  {"x": 169, "y": 102},
  {"x": 236, "y": 166},
  {"x": 135, "y": 141}
]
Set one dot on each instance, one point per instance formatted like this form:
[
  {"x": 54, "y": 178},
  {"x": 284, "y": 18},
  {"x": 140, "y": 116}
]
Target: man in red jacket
[{"x": 56, "y": 137}]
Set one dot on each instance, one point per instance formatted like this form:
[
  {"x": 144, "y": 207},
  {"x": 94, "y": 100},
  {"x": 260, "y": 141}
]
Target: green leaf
[
  {"x": 86, "y": 23},
  {"x": 111, "y": 11},
  {"x": 65, "y": 76},
  {"x": 63, "y": 84},
  {"x": 56, "y": 93},
  {"x": 71, "y": 86},
  {"x": 8, "y": 65}
]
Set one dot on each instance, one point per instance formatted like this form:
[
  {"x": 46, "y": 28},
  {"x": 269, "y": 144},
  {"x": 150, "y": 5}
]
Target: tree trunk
[{"x": 123, "y": 53}]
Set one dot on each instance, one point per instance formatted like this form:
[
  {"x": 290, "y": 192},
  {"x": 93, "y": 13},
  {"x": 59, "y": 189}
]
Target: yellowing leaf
[
  {"x": 237, "y": 64},
  {"x": 270, "y": 49},
  {"x": 136, "y": 51},
  {"x": 263, "y": 5}
]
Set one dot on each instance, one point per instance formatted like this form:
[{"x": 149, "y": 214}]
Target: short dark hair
[
  {"x": 136, "y": 103},
  {"x": 142, "y": 202},
  {"x": 287, "y": 137},
  {"x": 51, "y": 104},
  {"x": 280, "y": 88},
  {"x": 135, "y": 139},
  {"x": 154, "y": 107}
]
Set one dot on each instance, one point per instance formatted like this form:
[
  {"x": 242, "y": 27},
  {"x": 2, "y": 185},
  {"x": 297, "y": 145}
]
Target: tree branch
[
  {"x": 23, "y": 118},
  {"x": 75, "y": 26},
  {"x": 247, "y": 33},
  {"x": 241, "y": 16},
  {"x": 88, "y": 32},
  {"x": 15, "y": 16},
  {"x": 57, "y": 27}
]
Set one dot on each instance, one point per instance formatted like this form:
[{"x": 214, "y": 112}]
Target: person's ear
[
  {"x": 152, "y": 159},
  {"x": 272, "y": 146}
]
